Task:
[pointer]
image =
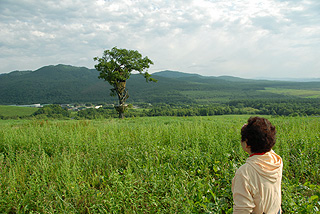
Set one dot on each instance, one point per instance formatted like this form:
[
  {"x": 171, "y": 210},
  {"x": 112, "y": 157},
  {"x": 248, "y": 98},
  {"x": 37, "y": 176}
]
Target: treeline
[
  {"x": 52, "y": 111},
  {"x": 295, "y": 107},
  {"x": 287, "y": 107},
  {"x": 301, "y": 107}
]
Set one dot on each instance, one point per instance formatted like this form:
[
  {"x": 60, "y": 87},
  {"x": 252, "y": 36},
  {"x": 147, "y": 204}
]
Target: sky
[{"x": 242, "y": 38}]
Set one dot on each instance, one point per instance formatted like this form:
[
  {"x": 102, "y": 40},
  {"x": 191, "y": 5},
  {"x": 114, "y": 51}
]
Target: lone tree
[{"x": 115, "y": 66}]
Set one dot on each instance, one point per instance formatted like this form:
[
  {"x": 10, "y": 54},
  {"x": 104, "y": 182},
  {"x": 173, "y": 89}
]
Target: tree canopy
[{"x": 116, "y": 66}]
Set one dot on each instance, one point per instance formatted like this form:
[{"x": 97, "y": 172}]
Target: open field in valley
[
  {"x": 146, "y": 165},
  {"x": 295, "y": 92},
  {"x": 10, "y": 111}
]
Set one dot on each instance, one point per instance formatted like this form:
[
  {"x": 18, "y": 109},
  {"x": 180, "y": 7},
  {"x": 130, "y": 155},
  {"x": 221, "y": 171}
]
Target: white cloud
[{"x": 247, "y": 38}]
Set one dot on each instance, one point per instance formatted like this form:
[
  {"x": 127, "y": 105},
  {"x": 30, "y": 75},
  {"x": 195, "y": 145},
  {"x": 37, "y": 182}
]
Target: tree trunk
[
  {"x": 121, "y": 109},
  {"x": 121, "y": 86},
  {"x": 121, "y": 115},
  {"x": 122, "y": 93}
]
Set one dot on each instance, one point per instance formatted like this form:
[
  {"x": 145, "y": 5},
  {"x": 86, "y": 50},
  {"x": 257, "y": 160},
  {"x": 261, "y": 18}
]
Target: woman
[{"x": 256, "y": 186}]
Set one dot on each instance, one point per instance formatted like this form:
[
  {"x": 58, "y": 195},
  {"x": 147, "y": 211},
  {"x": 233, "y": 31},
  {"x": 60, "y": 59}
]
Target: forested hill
[{"x": 69, "y": 84}]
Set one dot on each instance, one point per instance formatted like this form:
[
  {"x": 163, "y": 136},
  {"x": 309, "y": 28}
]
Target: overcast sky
[{"x": 243, "y": 38}]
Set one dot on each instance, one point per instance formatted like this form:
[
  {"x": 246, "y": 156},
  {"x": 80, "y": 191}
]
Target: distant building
[
  {"x": 64, "y": 105},
  {"x": 32, "y": 105}
]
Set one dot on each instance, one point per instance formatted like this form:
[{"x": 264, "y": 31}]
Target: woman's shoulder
[{"x": 243, "y": 170}]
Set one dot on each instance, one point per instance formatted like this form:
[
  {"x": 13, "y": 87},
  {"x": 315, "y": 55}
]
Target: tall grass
[{"x": 145, "y": 165}]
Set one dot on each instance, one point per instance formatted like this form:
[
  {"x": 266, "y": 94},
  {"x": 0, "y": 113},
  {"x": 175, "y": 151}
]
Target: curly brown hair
[{"x": 259, "y": 134}]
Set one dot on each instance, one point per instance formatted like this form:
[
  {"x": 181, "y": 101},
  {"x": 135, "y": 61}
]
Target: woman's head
[{"x": 259, "y": 134}]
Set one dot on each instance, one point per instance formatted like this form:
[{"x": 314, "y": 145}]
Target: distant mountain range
[{"x": 69, "y": 84}]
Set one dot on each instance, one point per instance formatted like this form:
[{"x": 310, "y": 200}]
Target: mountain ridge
[
  {"x": 172, "y": 74},
  {"x": 68, "y": 84}
]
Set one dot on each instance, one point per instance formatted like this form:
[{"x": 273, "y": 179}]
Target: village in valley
[{"x": 76, "y": 106}]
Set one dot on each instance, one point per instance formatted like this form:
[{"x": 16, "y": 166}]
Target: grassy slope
[
  {"x": 158, "y": 164},
  {"x": 10, "y": 111}
]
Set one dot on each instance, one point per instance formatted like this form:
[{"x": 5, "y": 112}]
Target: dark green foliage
[
  {"x": 116, "y": 66},
  {"x": 296, "y": 107},
  {"x": 100, "y": 113},
  {"x": 53, "y": 84},
  {"x": 67, "y": 84},
  {"x": 284, "y": 107},
  {"x": 52, "y": 111}
]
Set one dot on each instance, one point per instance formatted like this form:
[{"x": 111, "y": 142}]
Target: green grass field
[
  {"x": 294, "y": 92},
  {"x": 146, "y": 165},
  {"x": 10, "y": 111}
]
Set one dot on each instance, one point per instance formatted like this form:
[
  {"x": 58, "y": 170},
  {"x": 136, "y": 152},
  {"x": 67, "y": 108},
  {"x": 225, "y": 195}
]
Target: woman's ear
[{"x": 246, "y": 147}]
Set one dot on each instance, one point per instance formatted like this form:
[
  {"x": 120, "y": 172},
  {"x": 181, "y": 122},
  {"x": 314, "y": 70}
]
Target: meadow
[
  {"x": 315, "y": 93},
  {"x": 16, "y": 111},
  {"x": 146, "y": 165}
]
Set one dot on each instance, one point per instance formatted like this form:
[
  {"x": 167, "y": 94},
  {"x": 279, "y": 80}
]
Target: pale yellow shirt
[{"x": 256, "y": 185}]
